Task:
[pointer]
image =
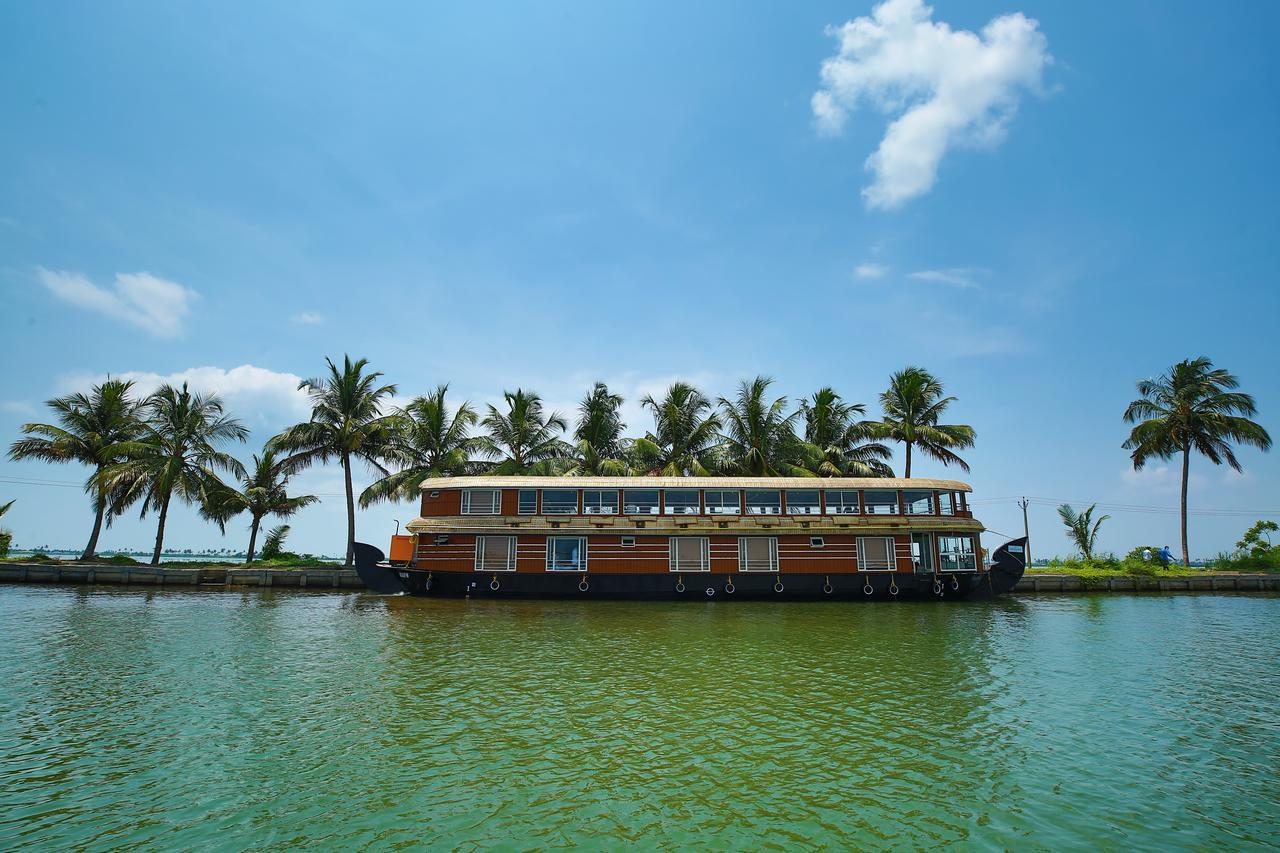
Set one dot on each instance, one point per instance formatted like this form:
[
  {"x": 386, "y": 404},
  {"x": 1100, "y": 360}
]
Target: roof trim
[{"x": 694, "y": 483}]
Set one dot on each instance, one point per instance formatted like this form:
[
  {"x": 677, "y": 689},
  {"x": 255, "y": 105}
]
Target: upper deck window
[
  {"x": 527, "y": 502},
  {"x": 918, "y": 503},
  {"x": 956, "y": 554},
  {"x": 723, "y": 503},
  {"x": 946, "y": 503},
  {"x": 681, "y": 501},
  {"x": 764, "y": 503},
  {"x": 599, "y": 502},
  {"x": 559, "y": 501},
  {"x": 481, "y": 501},
  {"x": 640, "y": 502},
  {"x": 882, "y": 503},
  {"x": 843, "y": 502},
  {"x": 803, "y": 502}
]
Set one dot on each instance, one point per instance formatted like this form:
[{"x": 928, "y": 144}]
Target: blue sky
[{"x": 541, "y": 195}]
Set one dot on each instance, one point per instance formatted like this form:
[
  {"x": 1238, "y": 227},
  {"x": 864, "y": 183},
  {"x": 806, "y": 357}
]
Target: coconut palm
[
  {"x": 263, "y": 492},
  {"x": 1082, "y": 529},
  {"x": 913, "y": 404},
  {"x": 1194, "y": 406},
  {"x": 347, "y": 424},
  {"x": 837, "y": 445},
  {"x": 684, "y": 434},
  {"x": 426, "y": 441},
  {"x": 757, "y": 438},
  {"x": 523, "y": 439},
  {"x": 598, "y": 446},
  {"x": 87, "y": 425},
  {"x": 175, "y": 454}
]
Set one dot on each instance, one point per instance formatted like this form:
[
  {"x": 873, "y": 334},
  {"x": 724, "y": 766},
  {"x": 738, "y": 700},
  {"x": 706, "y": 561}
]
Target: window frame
[
  {"x": 755, "y": 509},
  {"x": 520, "y": 504},
  {"x": 666, "y": 504},
  {"x": 582, "y": 551},
  {"x": 656, "y": 509},
  {"x": 673, "y": 563},
  {"x": 466, "y": 505},
  {"x": 719, "y": 508},
  {"x": 587, "y": 506},
  {"x": 892, "y": 553},
  {"x": 866, "y": 502},
  {"x": 830, "y": 509},
  {"x": 744, "y": 563},
  {"x": 907, "y": 502},
  {"x": 817, "y": 542},
  {"x": 511, "y": 554},
  {"x": 814, "y": 508},
  {"x": 576, "y": 502},
  {"x": 972, "y": 553},
  {"x": 951, "y": 503}
]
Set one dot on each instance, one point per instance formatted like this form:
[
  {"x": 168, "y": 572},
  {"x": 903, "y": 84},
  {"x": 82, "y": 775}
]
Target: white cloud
[
  {"x": 141, "y": 299},
  {"x": 945, "y": 86},
  {"x": 870, "y": 270},
  {"x": 961, "y": 277},
  {"x": 1160, "y": 478},
  {"x": 307, "y": 318},
  {"x": 256, "y": 395}
]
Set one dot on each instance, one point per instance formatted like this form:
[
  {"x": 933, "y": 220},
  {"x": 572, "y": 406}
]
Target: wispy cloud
[
  {"x": 18, "y": 407},
  {"x": 870, "y": 270},
  {"x": 945, "y": 86},
  {"x": 962, "y": 277},
  {"x": 153, "y": 304},
  {"x": 307, "y": 318}
]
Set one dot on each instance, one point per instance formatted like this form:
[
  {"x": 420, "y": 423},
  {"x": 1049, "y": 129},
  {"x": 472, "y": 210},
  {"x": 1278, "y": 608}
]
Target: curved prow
[
  {"x": 1007, "y": 565},
  {"x": 378, "y": 577}
]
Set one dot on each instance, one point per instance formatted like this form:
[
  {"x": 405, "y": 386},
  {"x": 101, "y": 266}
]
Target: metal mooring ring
[
  {"x": 729, "y": 587},
  {"x": 868, "y": 589},
  {"x": 711, "y": 591},
  {"x": 679, "y": 586},
  {"x": 778, "y": 587},
  {"x": 494, "y": 585},
  {"x": 584, "y": 586},
  {"x": 893, "y": 587}
]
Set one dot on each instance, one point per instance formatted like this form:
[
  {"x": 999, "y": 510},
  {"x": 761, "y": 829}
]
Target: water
[{"x": 217, "y": 720}]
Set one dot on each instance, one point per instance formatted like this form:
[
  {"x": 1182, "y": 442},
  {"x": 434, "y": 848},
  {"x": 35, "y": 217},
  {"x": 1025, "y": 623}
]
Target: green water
[{"x": 219, "y": 720}]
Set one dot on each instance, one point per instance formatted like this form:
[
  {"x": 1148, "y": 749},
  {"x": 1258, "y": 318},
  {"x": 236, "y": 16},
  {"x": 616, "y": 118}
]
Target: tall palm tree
[
  {"x": 837, "y": 445},
  {"x": 598, "y": 446},
  {"x": 426, "y": 441},
  {"x": 346, "y": 424},
  {"x": 1082, "y": 529},
  {"x": 684, "y": 433},
  {"x": 87, "y": 426},
  {"x": 174, "y": 454},
  {"x": 523, "y": 439},
  {"x": 1194, "y": 406},
  {"x": 263, "y": 492},
  {"x": 913, "y": 404},
  {"x": 757, "y": 438}
]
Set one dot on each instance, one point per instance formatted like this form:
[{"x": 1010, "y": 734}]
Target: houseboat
[{"x": 692, "y": 538}]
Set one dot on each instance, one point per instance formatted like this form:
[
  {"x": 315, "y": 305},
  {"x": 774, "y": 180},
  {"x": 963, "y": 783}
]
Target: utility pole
[{"x": 1026, "y": 531}]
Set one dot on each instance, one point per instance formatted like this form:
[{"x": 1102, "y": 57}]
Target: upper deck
[{"x": 685, "y": 503}]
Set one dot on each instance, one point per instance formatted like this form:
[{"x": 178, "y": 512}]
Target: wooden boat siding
[{"x": 651, "y": 554}]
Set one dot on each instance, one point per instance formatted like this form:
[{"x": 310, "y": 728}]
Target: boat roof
[{"x": 530, "y": 482}]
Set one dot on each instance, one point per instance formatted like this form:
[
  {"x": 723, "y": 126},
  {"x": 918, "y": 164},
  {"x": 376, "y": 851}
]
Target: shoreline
[{"x": 225, "y": 577}]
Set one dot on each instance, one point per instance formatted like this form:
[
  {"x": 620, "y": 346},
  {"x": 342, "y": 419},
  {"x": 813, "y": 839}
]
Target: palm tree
[
  {"x": 263, "y": 492},
  {"x": 757, "y": 438},
  {"x": 836, "y": 445},
  {"x": 87, "y": 425},
  {"x": 598, "y": 447},
  {"x": 523, "y": 439},
  {"x": 1192, "y": 407},
  {"x": 174, "y": 453},
  {"x": 913, "y": 405},
  {"x": 1081, "y": 528},
  {"x": 346, "y": 424},
  {"x": 684, "y": 433},
  {"x": 426, "y": 441}
]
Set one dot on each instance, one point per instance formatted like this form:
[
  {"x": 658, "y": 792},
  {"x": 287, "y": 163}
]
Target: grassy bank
[{"x": 293, "y": 561}]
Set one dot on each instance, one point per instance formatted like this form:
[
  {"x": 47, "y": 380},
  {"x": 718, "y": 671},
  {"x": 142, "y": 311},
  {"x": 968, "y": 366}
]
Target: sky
[{"x": 1041, "y": 203}]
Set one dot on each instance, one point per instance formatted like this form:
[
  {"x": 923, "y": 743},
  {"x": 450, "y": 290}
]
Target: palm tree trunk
[
  {"x": 1186, "y": 466},
  {"x": 100, "y": 509},
  {"x": 164, "y": 515},
  {"x": 351, "y": 511},
  {"x": 908, "y": 472},
  {"x": 253, "y": 538}
]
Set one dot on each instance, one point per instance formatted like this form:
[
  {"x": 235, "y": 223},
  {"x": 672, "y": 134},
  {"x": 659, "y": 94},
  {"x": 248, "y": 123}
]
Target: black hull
[{"x": 697, "y": 586}]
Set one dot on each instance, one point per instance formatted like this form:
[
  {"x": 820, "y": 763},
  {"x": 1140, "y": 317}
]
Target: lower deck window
[
  {"x": 957, "y": 554},
  {"x": 875, "y": 554},
  {"x": 566, "y": 554},
  {"x": 495, "y": 553},
  {"x": 757, "y": 554},
  {"x": 690, "y": 554}
]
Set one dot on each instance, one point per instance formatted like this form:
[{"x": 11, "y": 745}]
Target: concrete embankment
[
  {"x": 335, "y": 578},
  {"x": 338, "y": 578}
]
